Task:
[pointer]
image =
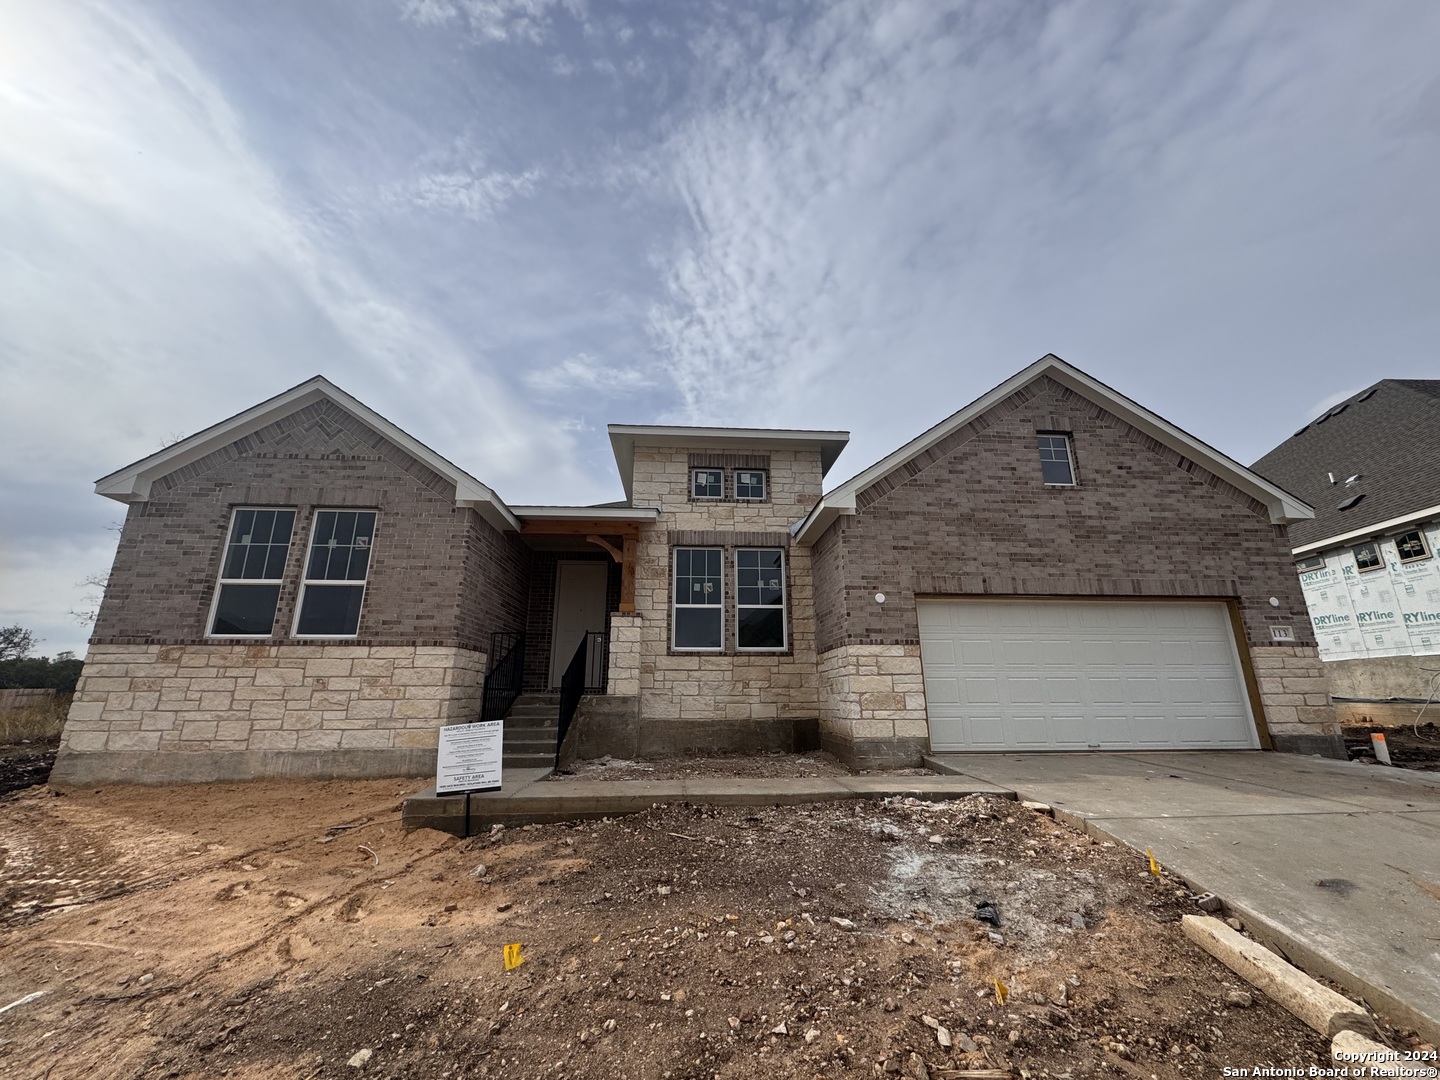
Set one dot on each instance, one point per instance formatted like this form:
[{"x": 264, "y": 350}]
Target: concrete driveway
[{"x": 1336, "y": 863}]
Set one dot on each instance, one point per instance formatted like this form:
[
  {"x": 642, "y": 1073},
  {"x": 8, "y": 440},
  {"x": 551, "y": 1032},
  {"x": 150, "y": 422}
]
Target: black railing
[
  {"x": 585, "y": 674},
  {"x": 506, "y": 674}
]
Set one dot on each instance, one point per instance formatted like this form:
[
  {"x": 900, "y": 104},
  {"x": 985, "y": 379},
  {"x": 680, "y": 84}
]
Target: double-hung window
[
  {"x": 760, "y": 599},
  {"x": 699, "y": 599},
  {"x": 335, "y": 573},
  {"x": 1057, "y": 465},
  {"x": 251, "y": 572}
]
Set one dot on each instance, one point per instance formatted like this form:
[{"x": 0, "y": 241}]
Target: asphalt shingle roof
[{"x": 1388, "y": 434}]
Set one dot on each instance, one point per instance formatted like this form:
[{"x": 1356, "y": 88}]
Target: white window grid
[
  {"x": 752, "y": 479},
  {"x": 222, "y": 580},
  {"x": 306, "y": 580},
  {"x": 1057, "y": 446},
  {"x": 676, "y": 606},
  {"x": 696, "y": 483}
]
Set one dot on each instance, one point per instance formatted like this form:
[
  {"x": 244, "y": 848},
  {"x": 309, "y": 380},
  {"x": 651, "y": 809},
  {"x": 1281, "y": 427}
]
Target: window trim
[
  {"x": 1378, "y": 551},
  {"x": 784, "y": 603},
  {"x": 1424, "y": 543},
  {"x": 221, "y": 581},
  {"x": 1069, "y": 457},
  {"x": 675, "y": 604},
  {"x": 305, "y": 570},
  {"x": 764, "y": 495},
  {"x": 695, "y": 470}
]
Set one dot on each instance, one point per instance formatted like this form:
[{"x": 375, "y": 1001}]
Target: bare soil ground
[
  {"x": 769, "y": 766},
  {"x": 1408, "y": 750},
  {"x": 228, "y": 930}
]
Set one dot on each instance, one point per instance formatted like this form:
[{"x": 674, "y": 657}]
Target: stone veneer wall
[
  {"x": 1295, "y": 694},
  {"x": 739, "y": 690},
  {"x": 237, "y": 711},
  {"x": 872, "y": 705}
]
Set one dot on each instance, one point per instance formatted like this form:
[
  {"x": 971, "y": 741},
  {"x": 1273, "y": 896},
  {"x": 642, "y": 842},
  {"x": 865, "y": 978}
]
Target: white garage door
[{"x": 1082, "y": 675}]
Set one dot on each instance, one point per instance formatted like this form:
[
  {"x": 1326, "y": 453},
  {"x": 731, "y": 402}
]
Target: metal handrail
[
  {"x": 506, "y": 676},
  {"x": 584, "y": 674}
]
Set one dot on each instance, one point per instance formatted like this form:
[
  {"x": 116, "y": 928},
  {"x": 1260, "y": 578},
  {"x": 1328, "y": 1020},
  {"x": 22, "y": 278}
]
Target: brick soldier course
[{"x": 960, "y": 512}]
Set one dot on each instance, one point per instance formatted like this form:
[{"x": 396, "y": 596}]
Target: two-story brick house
[{"x": 304, "y": 589}]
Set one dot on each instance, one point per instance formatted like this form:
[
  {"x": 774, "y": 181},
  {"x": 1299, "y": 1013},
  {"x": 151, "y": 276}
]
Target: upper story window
[
  {"x": 707, "y": 483},
  {"x": 749, "y": 484},
  {"x": 698, "y": 616},
  {"x": 1368, "y": 556},
  {"x": 1412, "y": 546},
  {"x": 760, "y": 599},
  {"x": 251, "y": 572},
  {"x": 1311, "y": 562},
  {"x": 1057, "y": 464},
  {"x": 336, "y": 569}
]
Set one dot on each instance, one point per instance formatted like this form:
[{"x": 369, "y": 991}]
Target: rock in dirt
[
  {"x": 1235, "y": 924},
  {"x": 1077, "y": 921},
  {"x": 966, "y": 1044},
  {"x": 942, "y": 1036},
  {"x": 1209, "y": 902},
  {"x": 1239, "y": 999},
  {"x": 734, "y": 1023},
  {"x": 780, "y": 1029},
  {"x": 812, "y": 1035},
  {"x": 360, "y": 1058},
  {"x": 916, "y": 1068},
  {"x": 843, "y": 924}
]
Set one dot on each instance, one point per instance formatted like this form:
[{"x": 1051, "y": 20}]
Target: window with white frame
[
  {"x": 251, "y": 572},
  {"x": 1311, "y": 562},
  {"x": 1412, "y": 546},
  {"x": 1057, "y": 464},
  {"x": 1368, "y": 556},
  {"x": 750, "y": 484},
  {"x": 699, "y": 598},
  {"x": 336, "y": 570},
  {"x": 760, "y": 599},
  {"x": 707, "y": 483}
]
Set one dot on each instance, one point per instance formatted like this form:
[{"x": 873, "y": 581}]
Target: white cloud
[
  {"x": 583, "y": 373},
  {"x": 472, "y": 192},
  {"x": 494, "y": 20}
]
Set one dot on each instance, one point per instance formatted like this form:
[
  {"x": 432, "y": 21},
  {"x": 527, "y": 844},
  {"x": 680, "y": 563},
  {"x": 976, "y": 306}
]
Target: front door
[{"x": 579, "y": 609}]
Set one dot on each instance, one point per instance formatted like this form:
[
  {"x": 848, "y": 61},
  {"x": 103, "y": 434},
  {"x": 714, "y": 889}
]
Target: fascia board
[
  {"x": 821, "y": 517},
  {"x": 586, "y": 513},
  {"x": 132, "y": 484},
  {"x": 1368, "y": 530},
  {"x": 1283, "y": 506}
]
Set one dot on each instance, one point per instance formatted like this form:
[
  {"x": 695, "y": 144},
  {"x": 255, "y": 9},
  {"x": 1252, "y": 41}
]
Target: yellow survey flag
[
  {"x": 1154, "y": 866},
  {"x": 1001, "y": 992},
  {"x": 513, "y": 959}
]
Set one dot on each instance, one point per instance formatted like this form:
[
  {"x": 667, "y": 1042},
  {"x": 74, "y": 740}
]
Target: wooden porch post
[{"x": 627, "y": 574}]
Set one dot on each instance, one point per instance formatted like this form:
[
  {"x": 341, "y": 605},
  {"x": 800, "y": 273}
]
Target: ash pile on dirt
[
  {"x": 24, "y": 765},
  {"x": 1408, "y": 750},
  {"x": 809, "y": 941}
]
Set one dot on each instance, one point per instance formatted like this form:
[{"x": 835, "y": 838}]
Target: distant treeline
[{"x": 41, "y": 671}]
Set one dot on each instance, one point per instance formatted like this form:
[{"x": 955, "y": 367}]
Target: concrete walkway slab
[
  {"x": 528, "y": 799},
  {"x": 1337, "y": 864}
]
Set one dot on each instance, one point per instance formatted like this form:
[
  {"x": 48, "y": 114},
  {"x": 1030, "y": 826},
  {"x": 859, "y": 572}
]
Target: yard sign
[{"x": 469, "y": 758}]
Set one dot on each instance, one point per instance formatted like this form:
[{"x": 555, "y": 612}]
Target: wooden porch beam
[
  {"x": 600, "y": 541},
  {"x": 627, "y": 574}
]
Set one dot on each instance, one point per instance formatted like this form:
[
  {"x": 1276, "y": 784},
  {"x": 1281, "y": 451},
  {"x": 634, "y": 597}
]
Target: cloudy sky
[{"x": 505, "y": 223}]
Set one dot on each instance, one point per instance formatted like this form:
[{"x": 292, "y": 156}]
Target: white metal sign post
[{"x": 469, "y": 758}]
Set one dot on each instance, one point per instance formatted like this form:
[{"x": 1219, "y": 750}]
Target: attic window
[
  {"x": 1350, "y": 502},
  {"x": 1057, "y": 467},
  {"x": 1368, "y": 556},
  {"x": 1412, "y": 546},
  {"x": 1313, "y": 562}
]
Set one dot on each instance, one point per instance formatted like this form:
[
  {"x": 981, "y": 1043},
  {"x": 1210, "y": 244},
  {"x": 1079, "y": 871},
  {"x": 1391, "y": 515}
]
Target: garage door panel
[{"x": 1030, "y": 675}]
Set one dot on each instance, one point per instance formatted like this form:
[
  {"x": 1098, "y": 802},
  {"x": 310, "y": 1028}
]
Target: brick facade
[
  {"x": 971, "y": 516},
  {"x": 441, "y": 579}
]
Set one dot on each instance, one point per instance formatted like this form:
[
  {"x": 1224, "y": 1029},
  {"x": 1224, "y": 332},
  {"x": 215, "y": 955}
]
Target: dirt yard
[
  {"x": 294, "y": 930},
  {"x": 1409, "y": 748}
]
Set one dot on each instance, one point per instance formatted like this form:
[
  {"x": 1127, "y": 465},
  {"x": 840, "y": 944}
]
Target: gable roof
[
  {"x": 132, "y": 483},
  {"x": 1283, "y": 506},
  {"x": 1388, "y": 435},
  {"x": 625, "y": 437}
]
